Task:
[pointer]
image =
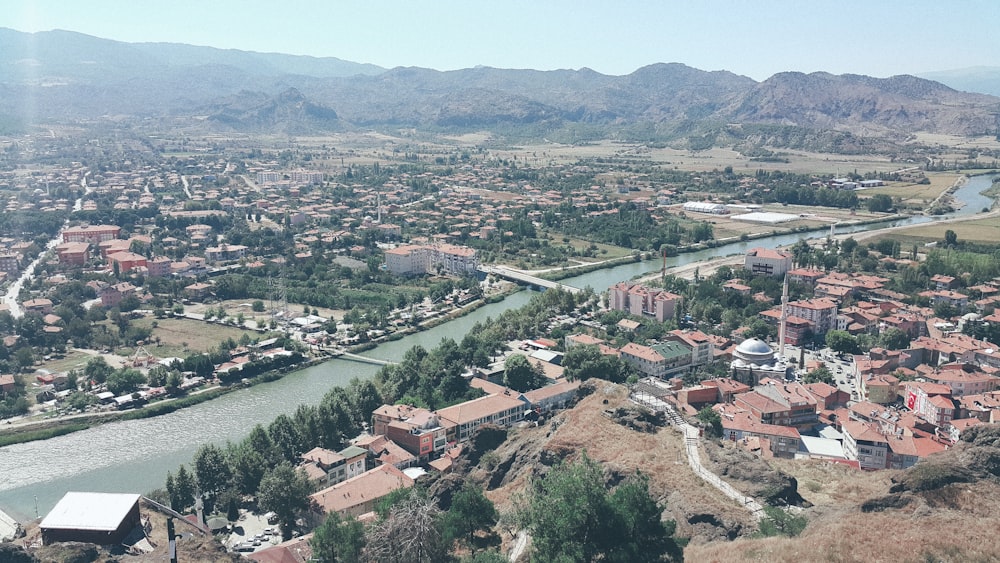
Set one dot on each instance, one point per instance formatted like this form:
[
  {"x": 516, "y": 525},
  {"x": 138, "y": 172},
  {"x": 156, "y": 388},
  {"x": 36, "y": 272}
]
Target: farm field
[{"x": 984, "y": 229}]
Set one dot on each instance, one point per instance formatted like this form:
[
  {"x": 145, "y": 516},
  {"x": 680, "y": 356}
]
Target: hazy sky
[{"x": 756, "y": 38}]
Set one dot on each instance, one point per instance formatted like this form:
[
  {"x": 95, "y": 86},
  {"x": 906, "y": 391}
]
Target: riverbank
[{"x": 31, "y": 431}]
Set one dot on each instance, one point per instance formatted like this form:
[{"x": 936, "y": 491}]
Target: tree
[
  {"x": 573, "y": 518},
  {"x": 257, "y": 306},
  {"x": 212, "y": 472},
  {"x": 712, "y": 420},
  {"x": 180, "y": 489},
  {"x": 520, "y": 375},
  {"x": 125, "y": 380},
  {"x": 285, "y": 491},
  {"x": 584, "y": 362},
  {"x": 819, "y": 375},
  {"x": 894, "y": 339},
  {"x": 338, "y": 540},
  {"x": 950, "y": 237},
  {"x": 470, "y": 512},
  {"x": 841, "y": 342},
  {"x": 778, "y": 522}
]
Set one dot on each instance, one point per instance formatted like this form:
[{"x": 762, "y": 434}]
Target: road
[{"x": 692, "y": 437}]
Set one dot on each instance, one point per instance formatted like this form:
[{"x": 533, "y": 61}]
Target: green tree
[
  {"x": 894, "y": 339},
  {"x": 572, "y": 517},
  {"x": 257, "y": 306},
  {"x": 712, "y": 420},
  {"x": 125, "y": 380},
  {"x": 338, "y": 540},
  {"x": 180, "y": 488},
  {"x": 212, "y": 472},
  {"x": 819, "y": 375},
  {"x": 842, "y": 342},
  {"x": 584, "y": 362},
  {"x": 285, "y": 491},
  {"x": 778, "y": 522},
  {"x": 950, "y": 237},
  {"x": 470, "y": 512},
  {"x": 520, "y": 375}
]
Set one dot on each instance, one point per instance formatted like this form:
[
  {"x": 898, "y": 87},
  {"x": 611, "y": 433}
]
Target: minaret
[{"x": 784, "y": 318}]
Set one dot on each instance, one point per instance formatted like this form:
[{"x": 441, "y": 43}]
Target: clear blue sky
[{"x": 756, "y": 38}]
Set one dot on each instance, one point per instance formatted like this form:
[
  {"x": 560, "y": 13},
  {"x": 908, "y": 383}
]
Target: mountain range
[{"x": 67, "y": 76}]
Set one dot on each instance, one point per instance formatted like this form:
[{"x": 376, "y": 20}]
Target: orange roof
[{"x": 369, "y": 486}]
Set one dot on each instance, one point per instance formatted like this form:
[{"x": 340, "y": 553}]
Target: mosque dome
[{"x": 754, "y": 350}]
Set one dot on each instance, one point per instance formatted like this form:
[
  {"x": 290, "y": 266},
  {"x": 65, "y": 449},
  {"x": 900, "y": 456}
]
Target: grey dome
[{"x": 754, "y": 349}]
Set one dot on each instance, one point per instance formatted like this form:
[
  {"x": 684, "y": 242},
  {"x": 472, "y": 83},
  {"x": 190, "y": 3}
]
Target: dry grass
[
  {"x": 660, "y": 456},
  {"x": 977, "y": 229},
  {"x": 918, "y": 194},
  {"x": 179, "y": 337}
]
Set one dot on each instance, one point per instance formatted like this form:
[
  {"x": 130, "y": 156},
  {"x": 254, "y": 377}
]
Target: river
[{"x": 135, "y": 455}]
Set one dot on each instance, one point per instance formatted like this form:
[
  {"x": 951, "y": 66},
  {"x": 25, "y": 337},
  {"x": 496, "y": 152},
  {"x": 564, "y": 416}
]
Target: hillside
[
  {"x": 65, "y": 76},
  {"x": 850, "y": 513}
]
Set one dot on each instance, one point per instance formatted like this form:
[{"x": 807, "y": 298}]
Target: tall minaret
[{"x": 784, "y": 318}]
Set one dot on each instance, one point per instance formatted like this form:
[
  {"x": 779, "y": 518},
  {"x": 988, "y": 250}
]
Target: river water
[{"x": 134, "y": 456}]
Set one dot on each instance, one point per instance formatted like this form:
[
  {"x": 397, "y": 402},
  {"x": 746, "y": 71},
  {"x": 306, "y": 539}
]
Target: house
[
  {"x": 882, "y": 389},
  {"x": 942, "y": 282},
  {"x": 740, "y": 426},
  {"x": 41, "y": 306},
  {"x": 225, "y": 252},
  {"x": 359, "y": 495},
  {"x": 780, "y": 402},
  {"x": 198, "y": 291},
  {"x": 327, "y": 467},
  {"x": 421, "y": 433},
  {"x": 767, "y": 262},
  {"x": 7, "y": 383},
  {"x": 113, "y": 295},
  {"x": 701, "y": 345},
  {"x": 127, "y": 261},
  {"x": 555, "y": 396},
  {"x": 73, "y": 253}
]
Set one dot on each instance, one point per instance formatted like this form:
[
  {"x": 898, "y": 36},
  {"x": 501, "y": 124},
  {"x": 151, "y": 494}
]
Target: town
[{"x": 160, "y": 284}]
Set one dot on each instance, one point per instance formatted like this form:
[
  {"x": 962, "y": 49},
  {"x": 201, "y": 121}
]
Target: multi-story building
[
  {"x": 865, "y": 444},
  {"x": 701, "y": 345},
  {"x": 659, "y": 360},
  {"x": 429, "y": 259},
  {"x": 767, "y": 262},
  {"x": 822, "y": 313},
  {"x": 225, "y": 252},
  {"x": 328, "y": 467},
  {"x": 10, "y": 263},
  {"x": 778, "y": 402},
  {"x": 94, "y": 234},
  {"x": 158, "y": 267},
  {"x": 73, "y": 253},
  {"x": 462, "y": 420},
  {"x": 640, "y": 300},
  {"x": 112, "y": 295},
  {"x": 127, "y": 261}
]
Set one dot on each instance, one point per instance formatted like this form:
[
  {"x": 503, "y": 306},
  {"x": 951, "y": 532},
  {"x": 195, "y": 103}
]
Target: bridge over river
[{"x": 521, "y": 277}]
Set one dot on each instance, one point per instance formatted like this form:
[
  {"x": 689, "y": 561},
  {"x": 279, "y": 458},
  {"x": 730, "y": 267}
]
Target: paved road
[{"x": 692, "y": 437}]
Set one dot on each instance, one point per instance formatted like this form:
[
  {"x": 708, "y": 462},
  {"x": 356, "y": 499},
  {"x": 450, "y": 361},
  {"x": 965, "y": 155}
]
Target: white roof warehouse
[{"x": 101, "y": 518}]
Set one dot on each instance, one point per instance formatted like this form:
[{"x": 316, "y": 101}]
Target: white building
[
  {"x": 705, "y": 207},
  {"x": 767, "y": 262},
  {"x": 426, "y": 259}
]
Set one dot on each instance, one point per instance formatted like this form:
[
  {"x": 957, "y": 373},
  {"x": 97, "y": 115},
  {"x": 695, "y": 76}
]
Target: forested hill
[{"x": 62, "y": 75}]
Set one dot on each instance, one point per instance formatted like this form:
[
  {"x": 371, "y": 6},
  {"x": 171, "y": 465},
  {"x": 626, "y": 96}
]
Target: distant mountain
[
  {"x": 981, "y": 79},
  {"x": 61, "y": 75},
  {"x": 289, "y": 112}
]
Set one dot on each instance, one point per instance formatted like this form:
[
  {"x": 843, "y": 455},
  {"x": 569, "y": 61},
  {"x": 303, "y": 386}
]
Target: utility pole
[{"x": 172, "y": 541}]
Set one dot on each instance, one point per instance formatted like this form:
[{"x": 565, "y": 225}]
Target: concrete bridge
[{"x": 521, "y": 277}]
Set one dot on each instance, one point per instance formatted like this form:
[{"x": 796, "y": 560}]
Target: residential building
[
  {"x": 113, "y": 294},
  {"x": 10, "y": 263},
  {"x": 822, "y": 313},
  {"x": 659, "y": 360},
  {"x": 767, "y": 262},
  {"x": 73, "y": 253},
  {"x": 158, "y": 267},
  {"x": 741, "y": 426},
  {"x": 450, "y": 259},
  {"x": 640, "y": 300},
  {"x": 127, "y": 261},
  {"x": 225, "y": 252},
  {"x": 328, "y": 467},
  {"x": 779, "y": 402},
  {"x": 701, "y": 345},
  {"x": 865, "y": 444}
]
